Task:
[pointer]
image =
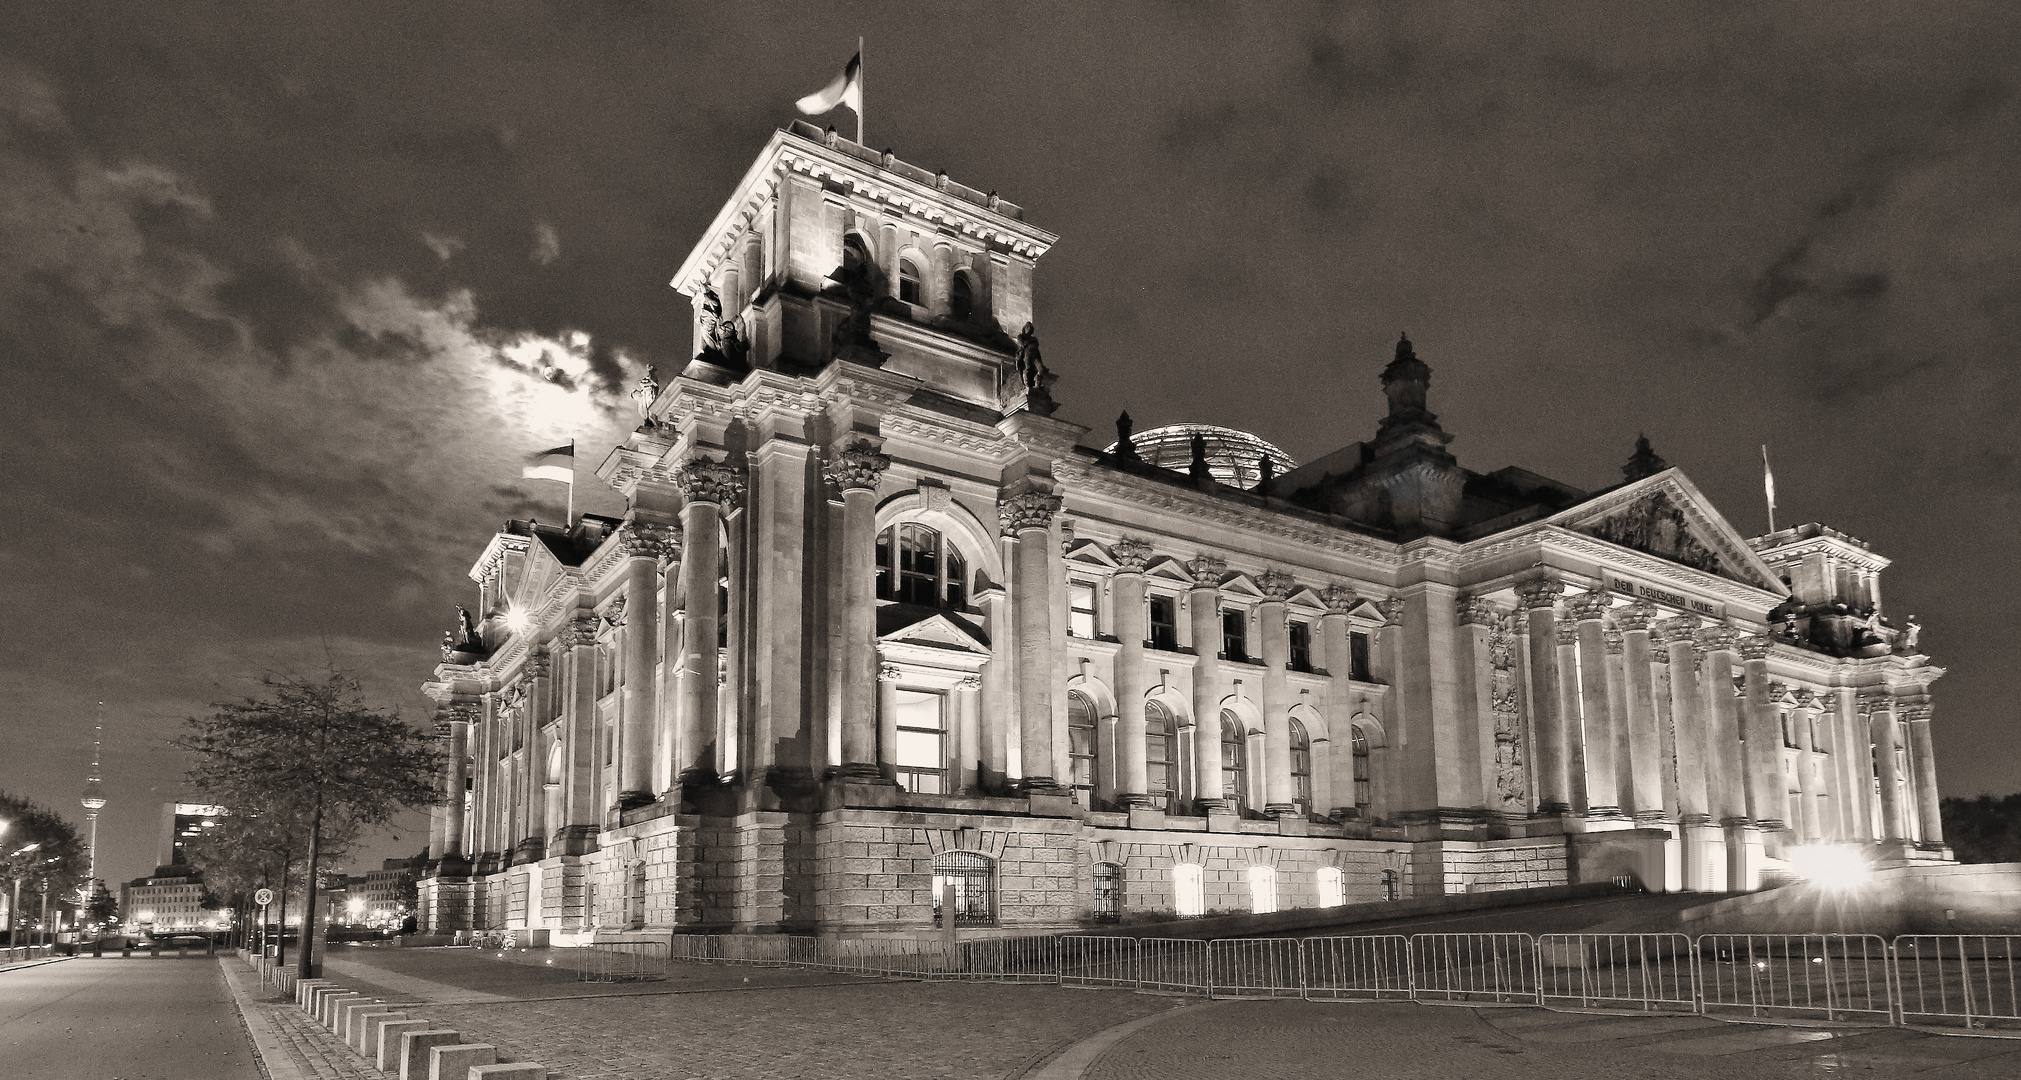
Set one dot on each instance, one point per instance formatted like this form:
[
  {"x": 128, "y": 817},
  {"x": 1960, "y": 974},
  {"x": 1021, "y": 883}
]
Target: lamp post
[{"x": 14, "y": 908}]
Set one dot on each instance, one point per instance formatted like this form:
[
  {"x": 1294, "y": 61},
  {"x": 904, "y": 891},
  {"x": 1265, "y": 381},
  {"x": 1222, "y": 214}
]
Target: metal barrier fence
[
  {"x": 1098, "y": 961},
  {"x": 1173, "y": 966},
  {"x": 1367, "y": 968},
  {"x": 1254, "y": 967},
  {"x": 1959, "y": 979},
  {"x": 1833, "y": 976},
  {"x": 1649, "y": 972},
  {"x": 1499, "y": 968},
  {"x": 621, "y": 961}
]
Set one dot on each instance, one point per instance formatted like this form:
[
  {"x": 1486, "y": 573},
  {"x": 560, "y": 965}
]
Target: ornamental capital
[
  {"x": 1682, "y": 628},
  {"x": 704, "y": 480},
  {"x": 538, "y": 666},
  {"x": 1756, "y": 646},
  {"x": 1392, "y": 610},
  {"x": 1588, "y": 606},
  {"x": 1207, "y": 570},
  {"x": 1275, "y": 584},
  {"x": 614, "y": 612},
  {"x": 1541, "y": 591},
  {"x": 464, "y": 712},
  {"x": 1714, "y": 638},
  {"x": 1805, "y": 699},
  {"x": 857, "y": 466},
  {"x": 1777, "y": 691},
  {"x": 1339, "y": 599},
  {"x": 888, "y": 673},
  {"x": 1568, "y": 633},
  {"x": 645, "y": 540},
  {"x": 1131, "y": 555},
  {"x": 580, "y": 631},
  {"x": 971, "y": 682},
  {"x": 1916, "y": 714},
  {"x": 1635, "y": 617},
  {"x": 1877, "y": 702},
  {"x": 1476, "y": 611},
  {"x": 1026, "y": 512},
  {"x": 1615, "y": 640}
]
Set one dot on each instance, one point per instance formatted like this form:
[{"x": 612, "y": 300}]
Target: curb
[{"x": 328, "y": 1001}]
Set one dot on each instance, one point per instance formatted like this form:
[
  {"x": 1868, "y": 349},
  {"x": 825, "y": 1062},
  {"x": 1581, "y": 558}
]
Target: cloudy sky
[{"x": 284, "y": 298}]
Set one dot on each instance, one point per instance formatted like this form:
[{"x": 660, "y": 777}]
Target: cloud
[
  {"x": 444, "y": 247},
  {"x": 546, "y": 244}
]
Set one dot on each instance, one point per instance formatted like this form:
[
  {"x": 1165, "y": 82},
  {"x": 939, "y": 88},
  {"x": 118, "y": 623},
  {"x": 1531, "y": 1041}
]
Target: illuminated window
[
  {"x": 908, "y": 281},
  {"x": 961, "y": 880},
  {"x": 1262, "y": 889},
  {"x": 1082, "y": 736},
  {"x": 1364, "y": 787},
  {"x": 1235, "y": 634},
  {"x": 1080, "y": 609},
  {"x": 960, "y": 297},
  {"x": 1234, "y": 760},
  {"x": 1332, "y": 887},
  {"x": 915, "y": 565},
  {"x": 922, "y": 735},
  {"x": 1108, "y": 892},
  {"x": 1164, "y": 624},
  {"x": 1301, "y": 767},
  {"x": 1188, "y": 889},
  {"x": 1161, "y": 754}
]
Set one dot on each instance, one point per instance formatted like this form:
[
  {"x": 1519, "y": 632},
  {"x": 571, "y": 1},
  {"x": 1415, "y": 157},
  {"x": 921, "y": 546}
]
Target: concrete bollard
[
  {"x": 327, "y": 1014},
  {"x": 348, "y": 1009},
  {"x": 414, "y": 1047},
  {"x": 518, "y": 1070},
  {"x": 312, "y": 1002},
  {"x": 455, "y": 1062},
  {"x": 387, "y": 1056},
  {"x": 354, "y": 1031},
  {"x": 367, "y": 1043}
]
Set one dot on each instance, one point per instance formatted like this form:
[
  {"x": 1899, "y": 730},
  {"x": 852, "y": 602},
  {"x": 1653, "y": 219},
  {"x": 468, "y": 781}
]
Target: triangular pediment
[
  {"x": 1167, "y": 568},
  {"x": 1666, "y": 516},
  {"x": 537, "y": 573},
  {"x": 903, "y": 624},
  {"x": 1089, "y": 552}
]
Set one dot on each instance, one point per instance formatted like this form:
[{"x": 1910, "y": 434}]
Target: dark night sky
[{"x": 274, "y": 290}]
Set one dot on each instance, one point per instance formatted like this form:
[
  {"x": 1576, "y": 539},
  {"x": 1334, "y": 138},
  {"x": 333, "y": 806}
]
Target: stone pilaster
[
  {"x": 1804, "y": 717},
  {"x": 1767, "y": 797},
  {"x": 1881, "y": 721},
  {"x": 1203, "y": 608},
  {"x": 1131, "y": 556},
  {"x": 646, "y": 545},
  {"x": 1645, "y": 756},
  {"x": 857, "y": 470},
  {"x": 1339, "y": 653},
  {"x": 1603, "y": 786},
  {"x": 1923, "y": 759},
  {"x": 1278, "y": 792},
  {"x": 1028, "y": 517},
  {"x": 708, "y": 487},
  {"x": 1539, "y": 596}
]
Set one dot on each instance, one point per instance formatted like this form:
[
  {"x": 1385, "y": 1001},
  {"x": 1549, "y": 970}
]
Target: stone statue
[
  {"x": 448, "y": 644},
  {"x": 1199, "y": 469},
  {"x": 732, "y": 343},
  {"x": 1266, "y": 470},
  {"x": 711, "y": 318},
  {"x": 647, "y": 392},
  {"x": 469, "y": 626},
  {"x": 851, "y": 339},
  {"x": 1031, "y": 366},
  {"x": 1125, "y": 447},
  {"x": 1906, "y": 643}
]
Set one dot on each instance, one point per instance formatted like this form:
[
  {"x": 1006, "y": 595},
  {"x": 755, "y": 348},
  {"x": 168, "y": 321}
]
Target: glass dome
[{"x": 1232, "y": 455}]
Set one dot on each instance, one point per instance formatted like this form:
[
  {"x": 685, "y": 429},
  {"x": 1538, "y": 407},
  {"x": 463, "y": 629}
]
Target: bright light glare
[
  {"x": 1830, "y": 867},
  {"x": 516, "y": 621}
]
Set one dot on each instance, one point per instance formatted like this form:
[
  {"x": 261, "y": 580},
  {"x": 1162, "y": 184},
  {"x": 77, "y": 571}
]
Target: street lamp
[{"x": 14, "y": 908}]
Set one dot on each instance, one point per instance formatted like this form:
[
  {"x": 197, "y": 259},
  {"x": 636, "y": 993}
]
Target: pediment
[
  {"x": 538, "y": 572},
  {"x": 1242, "y": 585},
  {"x": 902, "y": 624},
  {"x": 1168, "y": 568},
  {"x": 1087, "y": 551},
  {"x": 1666, "y": 516}
]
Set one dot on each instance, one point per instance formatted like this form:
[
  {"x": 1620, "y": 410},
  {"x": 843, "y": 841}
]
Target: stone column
[
  {"x": 1880, "y": 710},
  {"x": 999, "y": 729},
  {"x": 1339, "y": 653},
  {"x": 1767, "y": 794},
  {"x": 646, "y": 544},
  {"x": 1644, "y": 765},
  {"x": 1923, "y": 758},
  {"x": 1131, "y": 683},
  {"x": 1856, "y": 766},
  {"x": 857, "y": 470},
  {"x": 1728, "y": 783},
  {"x": 887, "y": 721},
  {"x": 1204, "y": 611},
  {"x": 708, "y": 487},
  {"x": 1704, "y": 841},
  {"x": 1028, "y": 517},
  {"x": 968, "y": 731},
  {"x": 1278, "y": 792},
  {"x": 1597, "y": 732},
  {"x": 1554, "y": 783},
  {"x": 1570, "y": 705},
  {"x": 457, "y": 770},
  {"x": 1805, "y": 718}
]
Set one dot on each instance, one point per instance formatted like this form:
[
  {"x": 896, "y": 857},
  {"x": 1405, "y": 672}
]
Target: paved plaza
[{"x": 746, "y": 1023}]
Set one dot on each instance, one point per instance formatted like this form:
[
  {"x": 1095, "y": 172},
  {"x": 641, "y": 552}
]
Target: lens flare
[{"x": 1830, "y": 867}]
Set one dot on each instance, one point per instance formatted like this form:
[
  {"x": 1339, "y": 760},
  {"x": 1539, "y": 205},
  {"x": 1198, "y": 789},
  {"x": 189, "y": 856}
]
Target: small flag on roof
[{"x": 557, "y": 464}]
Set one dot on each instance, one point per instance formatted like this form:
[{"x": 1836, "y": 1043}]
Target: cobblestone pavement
[
  {"x": 1265, "y": 1040},
  {"x": 291, "y": 1045}
]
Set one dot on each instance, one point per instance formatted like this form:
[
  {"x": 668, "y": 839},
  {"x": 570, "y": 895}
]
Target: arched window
[
  {"x": 1332, "y": 887},
  {"x": 1262, "y": 889},
  {"x": 915, "y": 565},
  {"x": 960, "y": 297},
  {"x": 1189, "y": 895},
  {"x": 1392, "y": 885},
  {"x": 1081, "y": 740},
  {"x": 961, "y": 881},
  {"x": 1301, "y": 767},
  {"x": 1161, "y": 754},
  {"x": 1364, "y": 787},
  {"x": 1108, "y": 892},
  {"x": 854, "y": 255},
  {"x": 908, "y": 282},
  {"x": 1234, "y": 761}
]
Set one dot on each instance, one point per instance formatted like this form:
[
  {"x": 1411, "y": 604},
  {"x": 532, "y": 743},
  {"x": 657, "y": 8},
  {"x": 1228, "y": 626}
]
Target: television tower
[{"x": 93, "y": 800}]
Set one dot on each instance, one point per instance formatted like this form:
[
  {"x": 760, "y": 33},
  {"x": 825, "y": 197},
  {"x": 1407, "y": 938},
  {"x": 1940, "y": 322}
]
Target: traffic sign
[{"x": 263, "y": 897}]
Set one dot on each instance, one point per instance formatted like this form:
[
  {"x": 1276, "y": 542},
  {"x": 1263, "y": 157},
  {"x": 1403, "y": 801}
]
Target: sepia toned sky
[{"x": 285, "y": 297}]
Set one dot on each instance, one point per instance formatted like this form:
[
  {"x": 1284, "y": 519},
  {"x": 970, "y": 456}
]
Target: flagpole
[
  {"x": 859, "y": 91},
  {"x": 1768, "y": 486},
  {"x": 568, "y": 518}
]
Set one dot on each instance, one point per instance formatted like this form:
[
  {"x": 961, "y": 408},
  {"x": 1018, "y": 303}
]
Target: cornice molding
[{"x": 1087, "y": 478}]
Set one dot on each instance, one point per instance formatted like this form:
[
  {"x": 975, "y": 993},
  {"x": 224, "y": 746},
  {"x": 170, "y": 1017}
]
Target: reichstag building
[{"x": 881, "y": 641}]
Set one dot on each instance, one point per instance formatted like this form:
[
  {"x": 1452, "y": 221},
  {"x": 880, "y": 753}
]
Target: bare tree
[{"x": 312, "y": 750}]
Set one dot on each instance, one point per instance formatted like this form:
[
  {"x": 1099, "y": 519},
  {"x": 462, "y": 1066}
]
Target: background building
[{"x": 880, "y": 639}]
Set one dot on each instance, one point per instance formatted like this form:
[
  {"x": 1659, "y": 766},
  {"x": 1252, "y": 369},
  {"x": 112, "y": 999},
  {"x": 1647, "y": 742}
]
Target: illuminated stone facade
[{"x": 878, "y": 629}]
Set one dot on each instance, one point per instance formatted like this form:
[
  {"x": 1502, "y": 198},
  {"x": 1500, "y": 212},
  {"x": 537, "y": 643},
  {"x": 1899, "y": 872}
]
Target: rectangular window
[
  {"x": 921, "y": 752},
  {"x": 1301, "y": 645},
  {"x": 1164, "y": 623},
  {"x": 1358, "y": 652},
  {"x": 1080, "y": 609},
  {"x": 1235, "y": 634}
]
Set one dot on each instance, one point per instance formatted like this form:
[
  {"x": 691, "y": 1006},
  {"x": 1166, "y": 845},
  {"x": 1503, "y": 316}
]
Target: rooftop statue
[{"x": 647, "y": 392}]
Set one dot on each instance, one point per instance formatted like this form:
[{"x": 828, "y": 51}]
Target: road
[{"x": 122, "y": 1019}]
